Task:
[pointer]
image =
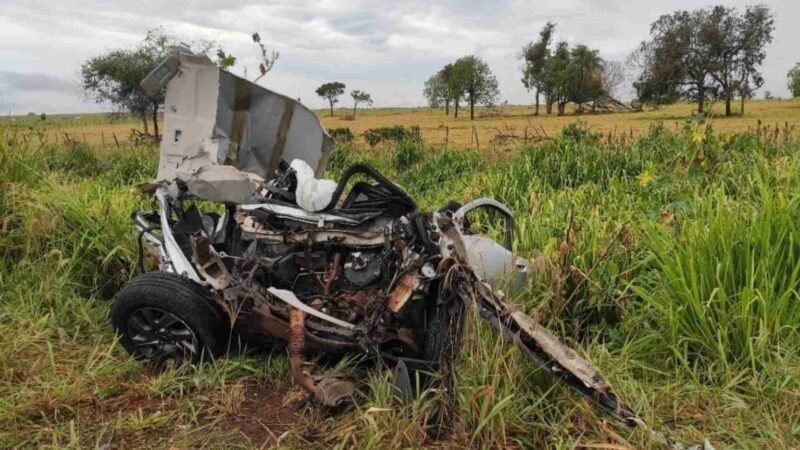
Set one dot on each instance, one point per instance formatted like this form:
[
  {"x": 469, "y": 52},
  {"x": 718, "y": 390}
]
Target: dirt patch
[{"x": 266, "y": 413}]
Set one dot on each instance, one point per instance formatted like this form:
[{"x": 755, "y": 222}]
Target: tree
[
  {"x": 480, "y": 85},
  {"x": 756, "y": 33},
  {"x": 583, "y": 76},
  {"x": 115, "y": 76},
  {"x": 721, "y": 37},
  {"x": 436, "y": 91},
  {"x": 704, "y": 53},
  {"x": 445, "y": 87},
  {"x": 454, "y": 86},
  {"x": 267, "y": 60},
  {"x": 557, "y": 78},
  {"x": 794, "y": 80},
  {"x": 360, "y": 97},
  {"x": 612, "y": 76},
  {"x": 535, "y": 58},
  {"x": 737, "y": 45},
  {"x": 331, "y": 91},
  {"x": 768, "y": 95},
  {"x": 676, "y": 61}
]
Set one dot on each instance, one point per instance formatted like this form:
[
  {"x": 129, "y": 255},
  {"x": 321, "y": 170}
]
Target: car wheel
[{"x": 163, "y": 317}]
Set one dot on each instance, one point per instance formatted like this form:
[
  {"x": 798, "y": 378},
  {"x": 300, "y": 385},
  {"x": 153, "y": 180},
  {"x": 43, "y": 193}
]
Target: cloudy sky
[{"x": 386, "y": 48}]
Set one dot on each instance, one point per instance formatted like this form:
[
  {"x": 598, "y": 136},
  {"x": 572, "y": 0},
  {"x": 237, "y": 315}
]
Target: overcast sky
[{"x": 386, "y": 48}]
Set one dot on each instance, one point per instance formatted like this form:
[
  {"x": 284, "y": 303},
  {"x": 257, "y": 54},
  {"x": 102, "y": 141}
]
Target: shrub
[
  {"x": 341, "y": 134},
  {"x": 579, "y": 132},
  {"x": 397, "y": 133}
]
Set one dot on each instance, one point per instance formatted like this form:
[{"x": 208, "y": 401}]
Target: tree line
[
  {"x": 704, "y": 54},
  {"x": 701, "y": 55},
  {"x": 563, "y": 74},
  {"x": 559, "y": 73}
]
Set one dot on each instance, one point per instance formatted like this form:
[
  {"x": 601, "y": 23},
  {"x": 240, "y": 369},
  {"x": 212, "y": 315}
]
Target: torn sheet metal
[{"x": 214, "y": 119}]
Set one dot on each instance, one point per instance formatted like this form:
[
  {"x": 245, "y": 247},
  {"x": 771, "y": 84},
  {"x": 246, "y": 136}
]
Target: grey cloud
[
  {"x": 18, "y": 82},
  {"x": 390, "y": 47}
]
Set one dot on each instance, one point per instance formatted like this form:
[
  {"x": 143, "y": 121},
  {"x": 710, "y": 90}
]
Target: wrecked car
[{"x": 289, "y": 259}]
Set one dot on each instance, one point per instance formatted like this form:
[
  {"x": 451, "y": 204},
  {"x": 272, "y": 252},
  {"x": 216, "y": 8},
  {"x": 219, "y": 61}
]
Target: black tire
[{"x": 163, "y": 317}]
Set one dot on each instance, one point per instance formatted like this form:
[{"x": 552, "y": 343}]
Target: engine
[{"x": 343, "y": 272}]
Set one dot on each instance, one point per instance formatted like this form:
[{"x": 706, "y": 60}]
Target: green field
[{"x": 670, "y": 260}]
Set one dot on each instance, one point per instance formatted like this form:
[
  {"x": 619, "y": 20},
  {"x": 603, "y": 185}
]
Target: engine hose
[{"x": 297, "y": 341}]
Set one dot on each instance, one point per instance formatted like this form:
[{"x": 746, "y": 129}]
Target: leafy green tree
[
  {"x": 721, "y": 26},
  {"x": 676, "y": 62},
  {"x": 331, "y": 92},
  {"x": 478, "y": 82},
  {"x": 756, "y": 33},
  {"x": 535, "y": 56},
  {"x": 794, "y": 80},
  {"x": 704, "y": 53},
  {"x": 360, "y": 97},
  {"x": 445, "y": 87},
  {"x": 737, "y": 43},
  {"x": 455, "y": 86},
  {"x": 584, "y": 76},
  {"x": 114, "y": 76},
  {"x": 436, "y": 91},
  {"x": 557, "y": 83}
]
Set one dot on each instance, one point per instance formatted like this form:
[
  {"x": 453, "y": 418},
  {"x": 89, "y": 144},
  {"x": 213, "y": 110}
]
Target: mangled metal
[
  {"x": 223, "y": 136},
  {"x": 365, "y": 273}
]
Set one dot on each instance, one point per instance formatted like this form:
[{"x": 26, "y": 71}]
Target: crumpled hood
[{"x": 224, "y": 135}]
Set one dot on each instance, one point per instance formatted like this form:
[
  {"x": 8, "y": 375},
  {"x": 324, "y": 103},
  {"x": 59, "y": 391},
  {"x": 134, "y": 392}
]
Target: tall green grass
[
  {"x": 726, "y": 284},
  {"x": 671, "y": 260}
]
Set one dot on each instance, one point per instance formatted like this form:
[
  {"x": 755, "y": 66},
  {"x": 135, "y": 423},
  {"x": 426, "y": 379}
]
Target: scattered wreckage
[{"x": 337, "y": 268}]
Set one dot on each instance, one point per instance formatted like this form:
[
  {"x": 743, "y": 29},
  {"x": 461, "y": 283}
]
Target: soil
[{"x": 265, "y": 415}]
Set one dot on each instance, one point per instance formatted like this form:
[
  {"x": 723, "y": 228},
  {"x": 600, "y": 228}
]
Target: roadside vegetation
[{"x": 671, "y": 260}]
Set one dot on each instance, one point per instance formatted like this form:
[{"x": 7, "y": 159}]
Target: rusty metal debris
[{"x": 367, "y": 273}]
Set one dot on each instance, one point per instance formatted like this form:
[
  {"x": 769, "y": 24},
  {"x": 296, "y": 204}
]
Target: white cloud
[{"x": 386, "y": 48}]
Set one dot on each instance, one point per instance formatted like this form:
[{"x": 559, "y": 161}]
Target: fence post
[{"x": 446, "y": 135}]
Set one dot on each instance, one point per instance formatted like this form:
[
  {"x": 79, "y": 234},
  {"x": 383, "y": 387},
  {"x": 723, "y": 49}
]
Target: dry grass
[
  {"x": 96, "y": 129},
  {"x": 515, "y": 119}
]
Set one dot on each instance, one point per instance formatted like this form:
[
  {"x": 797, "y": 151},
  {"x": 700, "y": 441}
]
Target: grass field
[
  {"x": 671, "y": 259},
  {"x": 437, "y": 128}
]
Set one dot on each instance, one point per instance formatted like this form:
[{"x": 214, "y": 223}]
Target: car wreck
[{"x": 347, "y": 267}]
